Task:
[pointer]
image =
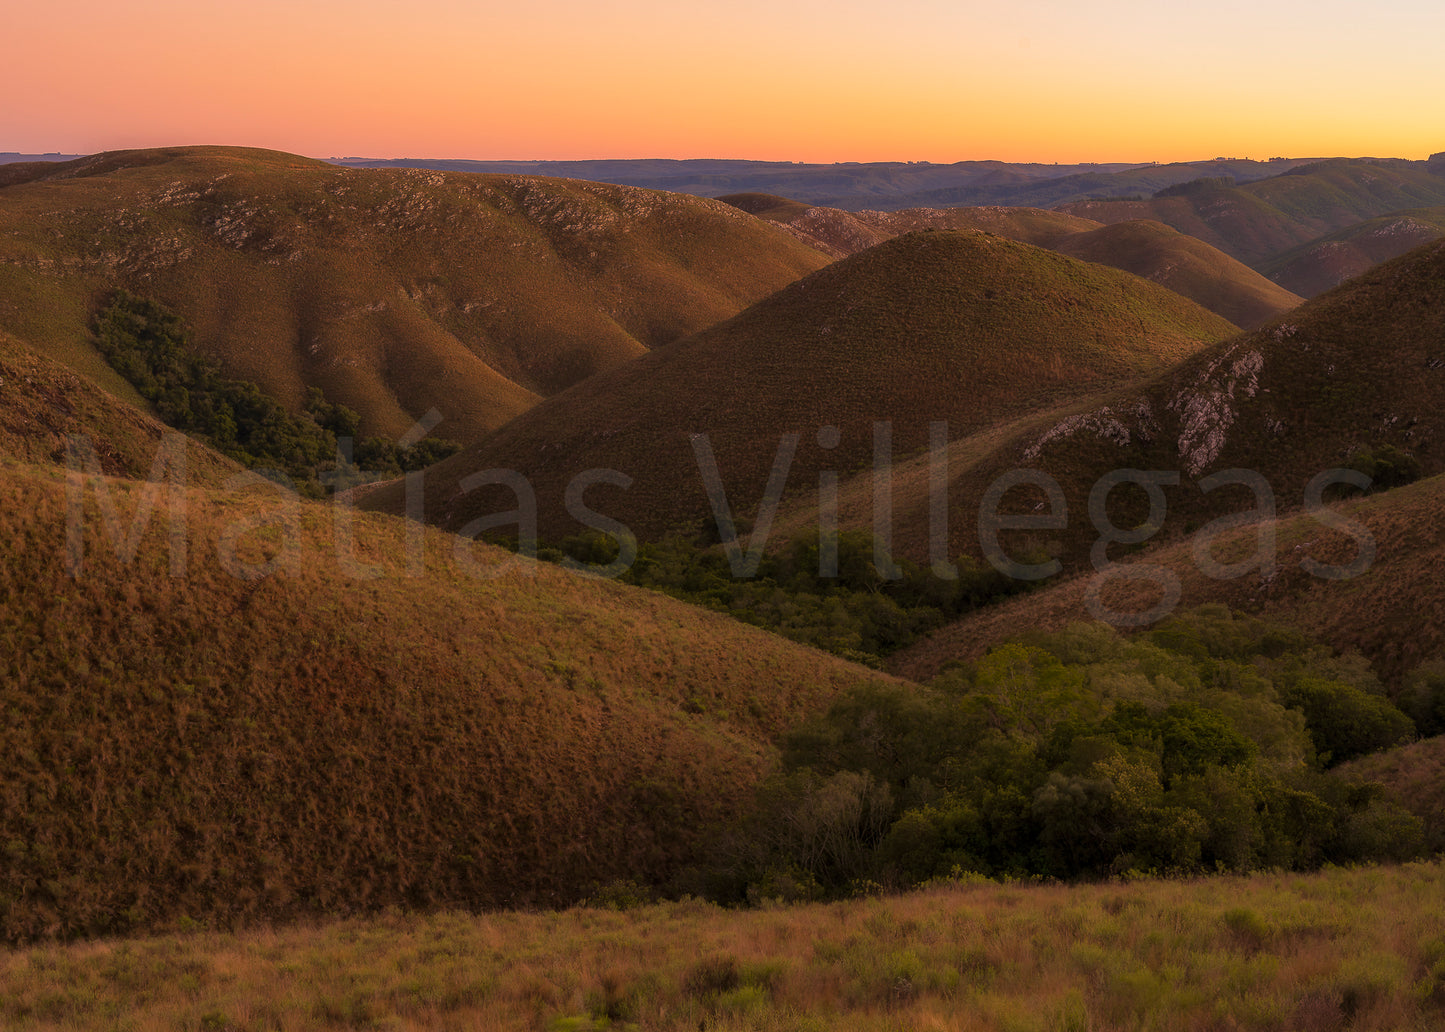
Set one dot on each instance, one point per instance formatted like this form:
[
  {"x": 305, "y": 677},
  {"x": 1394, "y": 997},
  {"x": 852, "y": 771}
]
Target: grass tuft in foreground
[{"x": 1359, "y": 949}]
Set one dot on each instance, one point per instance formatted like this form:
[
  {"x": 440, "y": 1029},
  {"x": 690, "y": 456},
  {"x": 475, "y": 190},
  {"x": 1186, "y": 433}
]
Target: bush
[
  {"x": 1087, "y": 754},
  {"x": 1423, "y": 698},
  {"x": 1345, "y": 721}
]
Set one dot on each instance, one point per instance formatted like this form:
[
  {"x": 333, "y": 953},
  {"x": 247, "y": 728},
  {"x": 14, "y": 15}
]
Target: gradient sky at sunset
[{"x": 803, "y": 80}]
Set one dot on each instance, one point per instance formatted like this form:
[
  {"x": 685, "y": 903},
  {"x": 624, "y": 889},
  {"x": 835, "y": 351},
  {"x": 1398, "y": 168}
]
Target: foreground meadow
[{"x": 1346, "y": 948}]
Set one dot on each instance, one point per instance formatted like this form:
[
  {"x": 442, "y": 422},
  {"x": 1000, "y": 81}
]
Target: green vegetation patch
[
  {"x": 858, "y": 613},
  {"x": 1203, "y": 745},
  {"x": 150, "y": 347}
]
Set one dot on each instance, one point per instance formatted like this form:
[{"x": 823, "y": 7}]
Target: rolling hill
[
  {"x": 932, "y": 326},
  {"x": 244, "y": 742},
  {"x": 1187, "y": 266},
  {"x": 1327, "y": 262},
  {"x": 42, "y": 403},
  {"x": 1190, "y": 267},
  {"x": 1259, "y": 221},
  {"x": 394, "y": 291},
  {"x": 1393, "y": 613},
  {"x": 1355, "y": 377}
]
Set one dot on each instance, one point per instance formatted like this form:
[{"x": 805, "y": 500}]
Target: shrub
[{"x": 1345, "y": 721}]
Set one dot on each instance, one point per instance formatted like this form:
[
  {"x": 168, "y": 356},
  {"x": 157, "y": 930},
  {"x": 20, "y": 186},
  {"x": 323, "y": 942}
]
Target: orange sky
[{"x": 802, "y": 80}]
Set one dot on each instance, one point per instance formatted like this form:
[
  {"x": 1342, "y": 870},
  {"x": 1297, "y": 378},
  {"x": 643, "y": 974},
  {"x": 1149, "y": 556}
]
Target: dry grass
[
  {"x": 1325, "y": 263},
  {"x": 227, "y": 749},
  {"x": 396, "y": 291},
  {"x": 1360, "y": 949},
  {"x": 963, "y": 327},
  {"x": 1190, "y": 267},
  {"x": 42, "y": 402},
  {"x": 1261, "y": 220},
  {"x": 1394, "y": 613}
]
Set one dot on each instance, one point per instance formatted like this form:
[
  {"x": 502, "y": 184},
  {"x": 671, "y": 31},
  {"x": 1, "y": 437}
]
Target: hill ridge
[
  {"x": 926, "y": 327},
  {"x": 394, "y": 291}
]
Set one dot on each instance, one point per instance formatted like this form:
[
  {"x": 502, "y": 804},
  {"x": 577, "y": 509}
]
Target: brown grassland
[
  {"x": 1359, "y": 949},
  {"x": 959, "y": 326},
  {"x": 275, "y": 765},
  {"x": 1149, "y": 249},
  {"x": 1393, "y": 612},
  {"x": 1261, "y": 220},
  {"x": 225, "y": 746},
  {"x": 395, "y": 291},
  {"x": 42, "y": 402}
]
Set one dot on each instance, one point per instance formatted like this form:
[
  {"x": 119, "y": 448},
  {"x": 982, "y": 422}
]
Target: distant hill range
[
  {"x": 11, "y": 157},
  {"x": 883, "y": 185},
  {"x": 1259, "y": 222},
  {"x": 1257, "y": 212}
]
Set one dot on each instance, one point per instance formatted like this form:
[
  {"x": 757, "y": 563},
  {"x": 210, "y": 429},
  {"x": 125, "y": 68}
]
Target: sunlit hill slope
[
  {"x": 394, "y": 291},
  {"x": 344, "y": 730},
  {"x": 959, "y": 327}
]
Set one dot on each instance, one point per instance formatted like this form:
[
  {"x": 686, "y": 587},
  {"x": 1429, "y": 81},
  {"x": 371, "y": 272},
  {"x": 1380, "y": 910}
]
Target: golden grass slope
[
  {"x": 42, "y": 403},
  {"x": 1357, "y": 948},
  {"x": 1327, "y": 262},
  {"x": 394, "y": 290},
  {"x": 1360, "y": 369},
  {"x": 1186, "y": 266},
  {"x": 227, "y": 746},
  {"x": 963, "y": 327},
  {"x": 1393, "y": 612},
  {"x": 1261, "y": 220}
]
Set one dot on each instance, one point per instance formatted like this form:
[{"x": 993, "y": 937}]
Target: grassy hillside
[
  {"x": 1327, "y": 262},
  {"x": 394, "y": 291},
  {"x": 830, "y": 230},
  {"x": 214, "y": 743},
  {"x": 43, "y": 402},
  {"x": 1393, "y": 613},
  {"x": 1187, "y": 266},
  {"x": 1152, "y": 250},
  {"x": 1353, "y": 378},
  {"x": 1026, "y": 225},
  {"x": 1358, "y": 949},
  {"x": 962, "y": 327},
  {"x": 1416, "y": 774},
  {"x": 1261, "y": 220}
]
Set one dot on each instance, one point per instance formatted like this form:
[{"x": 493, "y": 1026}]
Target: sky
[{"x": 786, "y": 80}]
